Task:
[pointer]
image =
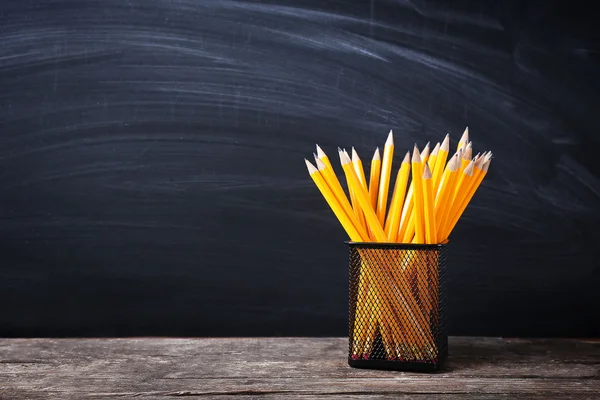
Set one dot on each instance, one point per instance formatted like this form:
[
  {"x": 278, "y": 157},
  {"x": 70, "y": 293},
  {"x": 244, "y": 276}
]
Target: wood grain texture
[
  {"x": 151, "y": 172},
  {"x": 479, "y": 368}
]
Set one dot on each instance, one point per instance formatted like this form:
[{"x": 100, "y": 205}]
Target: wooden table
[{"x": 285, "y": 368}]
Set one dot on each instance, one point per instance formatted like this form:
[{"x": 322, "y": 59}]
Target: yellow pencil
[
  {"x": 323, "y": 157},
  {"x": 358, "y": 167},
  {"x": 441, "y": 162},
  {"x": 374, "y": 178},
  {"x": 407, "y": 222},
  {"x": 425, "y": 153},
  {"x": 335, "y": 187},
  {"x": 334, "y": 184},
  {"x": 433, "y": 157},
  {"x": 459, "y": 193},
  {"x": 417, "y": 176},
  {"x": 333, "y": 204},
  {"x": 464, "y": 139},
  {"x": 392, "y": 223},
  {"x": 362, "y": 198},
  {"x": 466, "y": 153},
  {"x": 468, "y": 197},
  {"x": 360, "y": 173},
  {"x": 428, "y": 205},
  {"x": 329, "y": 172},
  {"x": 442, "y": 198},
  {"x": 355, "y": 206},
  {"x": 384, "y": 180}
]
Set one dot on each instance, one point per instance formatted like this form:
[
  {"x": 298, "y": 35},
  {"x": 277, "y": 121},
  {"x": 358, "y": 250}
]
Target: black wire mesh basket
[{"x": 397, "y": 306}]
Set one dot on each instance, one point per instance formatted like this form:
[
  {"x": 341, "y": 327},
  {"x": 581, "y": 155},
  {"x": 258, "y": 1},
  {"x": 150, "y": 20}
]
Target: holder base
[{"x": 396, "y": 365}]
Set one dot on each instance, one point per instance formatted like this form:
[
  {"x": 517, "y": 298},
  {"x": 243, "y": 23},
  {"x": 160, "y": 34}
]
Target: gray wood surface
[{"x": 306, "y": 368}]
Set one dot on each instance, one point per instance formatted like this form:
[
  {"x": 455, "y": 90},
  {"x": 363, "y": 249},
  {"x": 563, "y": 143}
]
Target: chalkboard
[{"x": 152, "y": 175}]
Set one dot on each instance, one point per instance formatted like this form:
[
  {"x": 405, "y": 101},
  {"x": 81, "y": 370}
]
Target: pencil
[
  {"x": 407, "y": 222},
  {"x": 466, "y": 153},
  {"x": 362, "y": 198},
  {"x": 433, "y": 157},
  {"x": 459, "y": 193},
  {"x": 333, "y": 204},
  {"x": 334, "y": 185},
  {"x": 469, "y": 196},
  {"x": 442, "y": 199},
  {"x": 384, "y": 180},
  {"x": 425, "y": 153},
  {"x": 358, "y": 167},
  {"x": 417, "y": 176},
  {"x": 464, "y": 139},
  {"x": 374, "y": 178},
  {"x": 323, "y": 157},
  {"x": 392, "y": 224},
  {"x": 428, "y": 203}
]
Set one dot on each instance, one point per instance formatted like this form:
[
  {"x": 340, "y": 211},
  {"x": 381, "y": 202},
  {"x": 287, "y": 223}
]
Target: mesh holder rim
[{"x": 397, "y": 316}]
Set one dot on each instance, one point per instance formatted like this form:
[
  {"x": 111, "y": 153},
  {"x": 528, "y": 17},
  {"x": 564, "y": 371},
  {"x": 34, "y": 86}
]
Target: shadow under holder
[{"x": 397, "y": 306}]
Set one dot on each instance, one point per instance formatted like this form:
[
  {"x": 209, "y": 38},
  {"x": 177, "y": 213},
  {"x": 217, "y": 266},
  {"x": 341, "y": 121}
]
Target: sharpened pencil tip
[
  {"x": 406, "y": 157},
  {"x": 454, "y": 163},
  {"x": 320, "y": 165},
  {"x": 435, "y": 150},
  {"x": 486, "y": 165},
  {"x": 425, "y": 151},
  {"x": 355, "y": 157},
  {"x": 427, "y": 172},
  {"x": 311, "y": 168},
  {"x": 390, "y": 139},
  {"x": 344, "y": 158},
  {"x": 320, "y": 152},
  {"x": 446, "y": 143},
  {"x": 416, "y": 157},
  {"x": 465, "y": 136},
  {"x": 376, "y": 156},
  {"x": 469, "y": 168}
]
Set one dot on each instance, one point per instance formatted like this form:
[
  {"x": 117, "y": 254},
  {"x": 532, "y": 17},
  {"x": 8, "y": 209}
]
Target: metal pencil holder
[{"x": 397, "y": 305}]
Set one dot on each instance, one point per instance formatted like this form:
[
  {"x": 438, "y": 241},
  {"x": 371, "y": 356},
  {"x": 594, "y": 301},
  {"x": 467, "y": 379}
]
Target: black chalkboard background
[{"x": 152, "y": 179}]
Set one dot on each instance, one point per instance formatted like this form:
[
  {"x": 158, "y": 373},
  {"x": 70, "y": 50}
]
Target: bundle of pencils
[{"x": 431, "y": 192}]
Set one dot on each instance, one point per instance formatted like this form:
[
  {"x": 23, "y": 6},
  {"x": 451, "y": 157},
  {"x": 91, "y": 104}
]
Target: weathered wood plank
[{"x": 288, "y": 367}]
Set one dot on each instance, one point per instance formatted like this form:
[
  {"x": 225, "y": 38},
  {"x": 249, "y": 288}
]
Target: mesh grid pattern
[{"x": 397, "y": 307}]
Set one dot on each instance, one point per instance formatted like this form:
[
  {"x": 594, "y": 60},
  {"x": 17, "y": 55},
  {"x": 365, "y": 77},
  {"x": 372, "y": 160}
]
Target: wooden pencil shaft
[
  {"x": 335, "y": 186},
  {"x": 384, "y": 180},
  {"x": 363, "y": 199},
  {"x": 333, "y": 204}
]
